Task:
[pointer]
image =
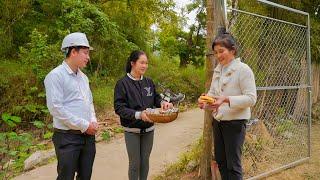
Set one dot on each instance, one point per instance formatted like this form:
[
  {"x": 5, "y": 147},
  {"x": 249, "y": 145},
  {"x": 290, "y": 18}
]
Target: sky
[{"x": 191, "y": 16}]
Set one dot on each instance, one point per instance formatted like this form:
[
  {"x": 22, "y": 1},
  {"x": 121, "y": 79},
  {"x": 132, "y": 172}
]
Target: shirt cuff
[
  {"x": 94, "y": 119},
  {"x": 137, "y": 115}
]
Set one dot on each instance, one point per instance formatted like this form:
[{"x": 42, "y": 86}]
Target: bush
[
  {"x": 15, "y": 148},
  {"x": 189, "y": 80},
  {"x": 102, "y": 92},
  {"x": 40, "y": 56}
]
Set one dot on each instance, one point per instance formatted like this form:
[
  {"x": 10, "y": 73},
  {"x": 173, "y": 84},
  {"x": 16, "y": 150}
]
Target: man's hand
[
  {"x": 95, "y": 124},
  {"x": 92, "y": 129}
]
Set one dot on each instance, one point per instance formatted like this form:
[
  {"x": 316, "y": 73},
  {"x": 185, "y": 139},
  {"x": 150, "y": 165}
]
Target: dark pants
[
  {"x": 228, "y": 141},
  {"x": 139, "y": 147},
  {"x": 75, "y": 153}
]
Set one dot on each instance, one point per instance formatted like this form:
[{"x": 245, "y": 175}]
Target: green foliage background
[{"x": 31, "y": 32}]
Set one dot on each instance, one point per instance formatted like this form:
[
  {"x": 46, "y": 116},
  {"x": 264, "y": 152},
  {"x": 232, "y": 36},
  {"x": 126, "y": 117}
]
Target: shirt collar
[
  {"x": 67, "y": 67},
  {"x": 231, "y": 65},
  {"x": 131, "y": 77}
]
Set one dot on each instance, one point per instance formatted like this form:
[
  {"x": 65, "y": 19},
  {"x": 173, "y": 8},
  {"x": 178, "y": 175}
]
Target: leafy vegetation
[
  {"x": 187, "y": 163},
  {"x": 31, "y": 32},
  {"x": 106, "y": 135}
]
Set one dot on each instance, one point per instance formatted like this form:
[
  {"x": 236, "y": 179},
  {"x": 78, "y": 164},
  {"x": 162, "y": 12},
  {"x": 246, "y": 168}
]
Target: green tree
[{"x": 12, "y": 15}]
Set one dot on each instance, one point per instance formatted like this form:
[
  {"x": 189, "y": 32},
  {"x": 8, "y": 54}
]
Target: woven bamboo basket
[{"x": 163, "y": 118}]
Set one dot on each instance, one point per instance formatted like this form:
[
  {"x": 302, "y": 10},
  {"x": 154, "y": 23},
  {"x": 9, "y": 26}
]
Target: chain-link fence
[{"x": 277, "y": 51}]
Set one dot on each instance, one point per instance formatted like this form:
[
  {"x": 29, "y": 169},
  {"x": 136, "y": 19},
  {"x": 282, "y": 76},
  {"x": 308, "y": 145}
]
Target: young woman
[
  {"x": 133, "y": 94},
  {"x": 233, "y": 87}
]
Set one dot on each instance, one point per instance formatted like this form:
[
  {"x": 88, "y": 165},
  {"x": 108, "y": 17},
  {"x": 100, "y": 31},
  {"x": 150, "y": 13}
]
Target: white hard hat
[{"x": 75, "y": 39}]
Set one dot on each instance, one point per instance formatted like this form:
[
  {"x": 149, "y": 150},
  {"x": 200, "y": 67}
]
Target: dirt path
[{"x": 111, "y": 160}]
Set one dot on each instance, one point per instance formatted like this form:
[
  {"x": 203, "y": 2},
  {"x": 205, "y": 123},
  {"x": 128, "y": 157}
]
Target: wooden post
[{"x": 215, "y": 19}]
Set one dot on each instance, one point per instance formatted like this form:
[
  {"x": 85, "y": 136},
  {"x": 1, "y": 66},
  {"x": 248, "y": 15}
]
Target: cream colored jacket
[{"x": 236, "y": 80}]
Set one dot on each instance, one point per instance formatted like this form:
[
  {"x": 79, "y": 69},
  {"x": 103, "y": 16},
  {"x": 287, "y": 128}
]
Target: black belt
[
  {"x": 230, "y": 121},
  {"x": 138, "y": 130},
  {"x": 70, "y": 131}
]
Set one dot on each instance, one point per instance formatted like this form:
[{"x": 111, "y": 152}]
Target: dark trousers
[
  {"x": 75, "y": 153},
  {"x": 228, "y": 141},
  {"x": 139, "y": 147}
]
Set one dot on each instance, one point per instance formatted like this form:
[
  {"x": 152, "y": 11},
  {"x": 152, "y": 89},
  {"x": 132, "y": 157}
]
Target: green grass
[
  {"x": 11, "y": 68},
  {"x": 175, "y": 170},
  {"x": 11, "y": 72},
  {"x": 103, "y": 97}
]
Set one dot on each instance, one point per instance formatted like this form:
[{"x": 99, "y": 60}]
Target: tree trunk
[
  {"x": 215, "y": 19},
  {"x": 315, "y": 84}
]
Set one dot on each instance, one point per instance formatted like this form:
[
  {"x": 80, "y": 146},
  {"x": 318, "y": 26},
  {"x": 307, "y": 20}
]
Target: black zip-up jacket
[{"x": 131, "y": 96}]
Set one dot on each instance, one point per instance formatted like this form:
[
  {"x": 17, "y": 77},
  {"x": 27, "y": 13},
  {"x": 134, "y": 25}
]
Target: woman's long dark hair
[
  {"x": 225, "y": 39},
  {"x": 134, "y": 56}
]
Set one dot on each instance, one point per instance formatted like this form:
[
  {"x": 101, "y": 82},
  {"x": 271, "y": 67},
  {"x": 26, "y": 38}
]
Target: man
[{"x": 69, "y": 101}]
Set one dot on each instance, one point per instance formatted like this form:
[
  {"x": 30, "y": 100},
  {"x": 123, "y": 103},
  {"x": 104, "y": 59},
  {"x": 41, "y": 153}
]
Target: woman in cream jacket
[{"x": 233, "y": 87}]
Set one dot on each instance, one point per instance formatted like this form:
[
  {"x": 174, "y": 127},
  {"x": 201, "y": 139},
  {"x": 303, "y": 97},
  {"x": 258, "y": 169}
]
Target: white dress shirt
[
  {"x": 235, "y": 80},
  {"x": 69, "y": 98}
]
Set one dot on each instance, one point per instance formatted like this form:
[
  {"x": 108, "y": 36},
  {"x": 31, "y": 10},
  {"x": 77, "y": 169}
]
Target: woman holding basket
[{"x": 133, "y": 94}]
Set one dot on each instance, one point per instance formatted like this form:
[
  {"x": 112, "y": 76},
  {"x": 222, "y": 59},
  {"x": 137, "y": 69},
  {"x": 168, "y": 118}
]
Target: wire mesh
[{"x": 277, "y": 53}]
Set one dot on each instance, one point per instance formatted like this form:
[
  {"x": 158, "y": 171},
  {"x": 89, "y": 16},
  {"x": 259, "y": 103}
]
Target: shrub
[{"x": 189, "y": 80}]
